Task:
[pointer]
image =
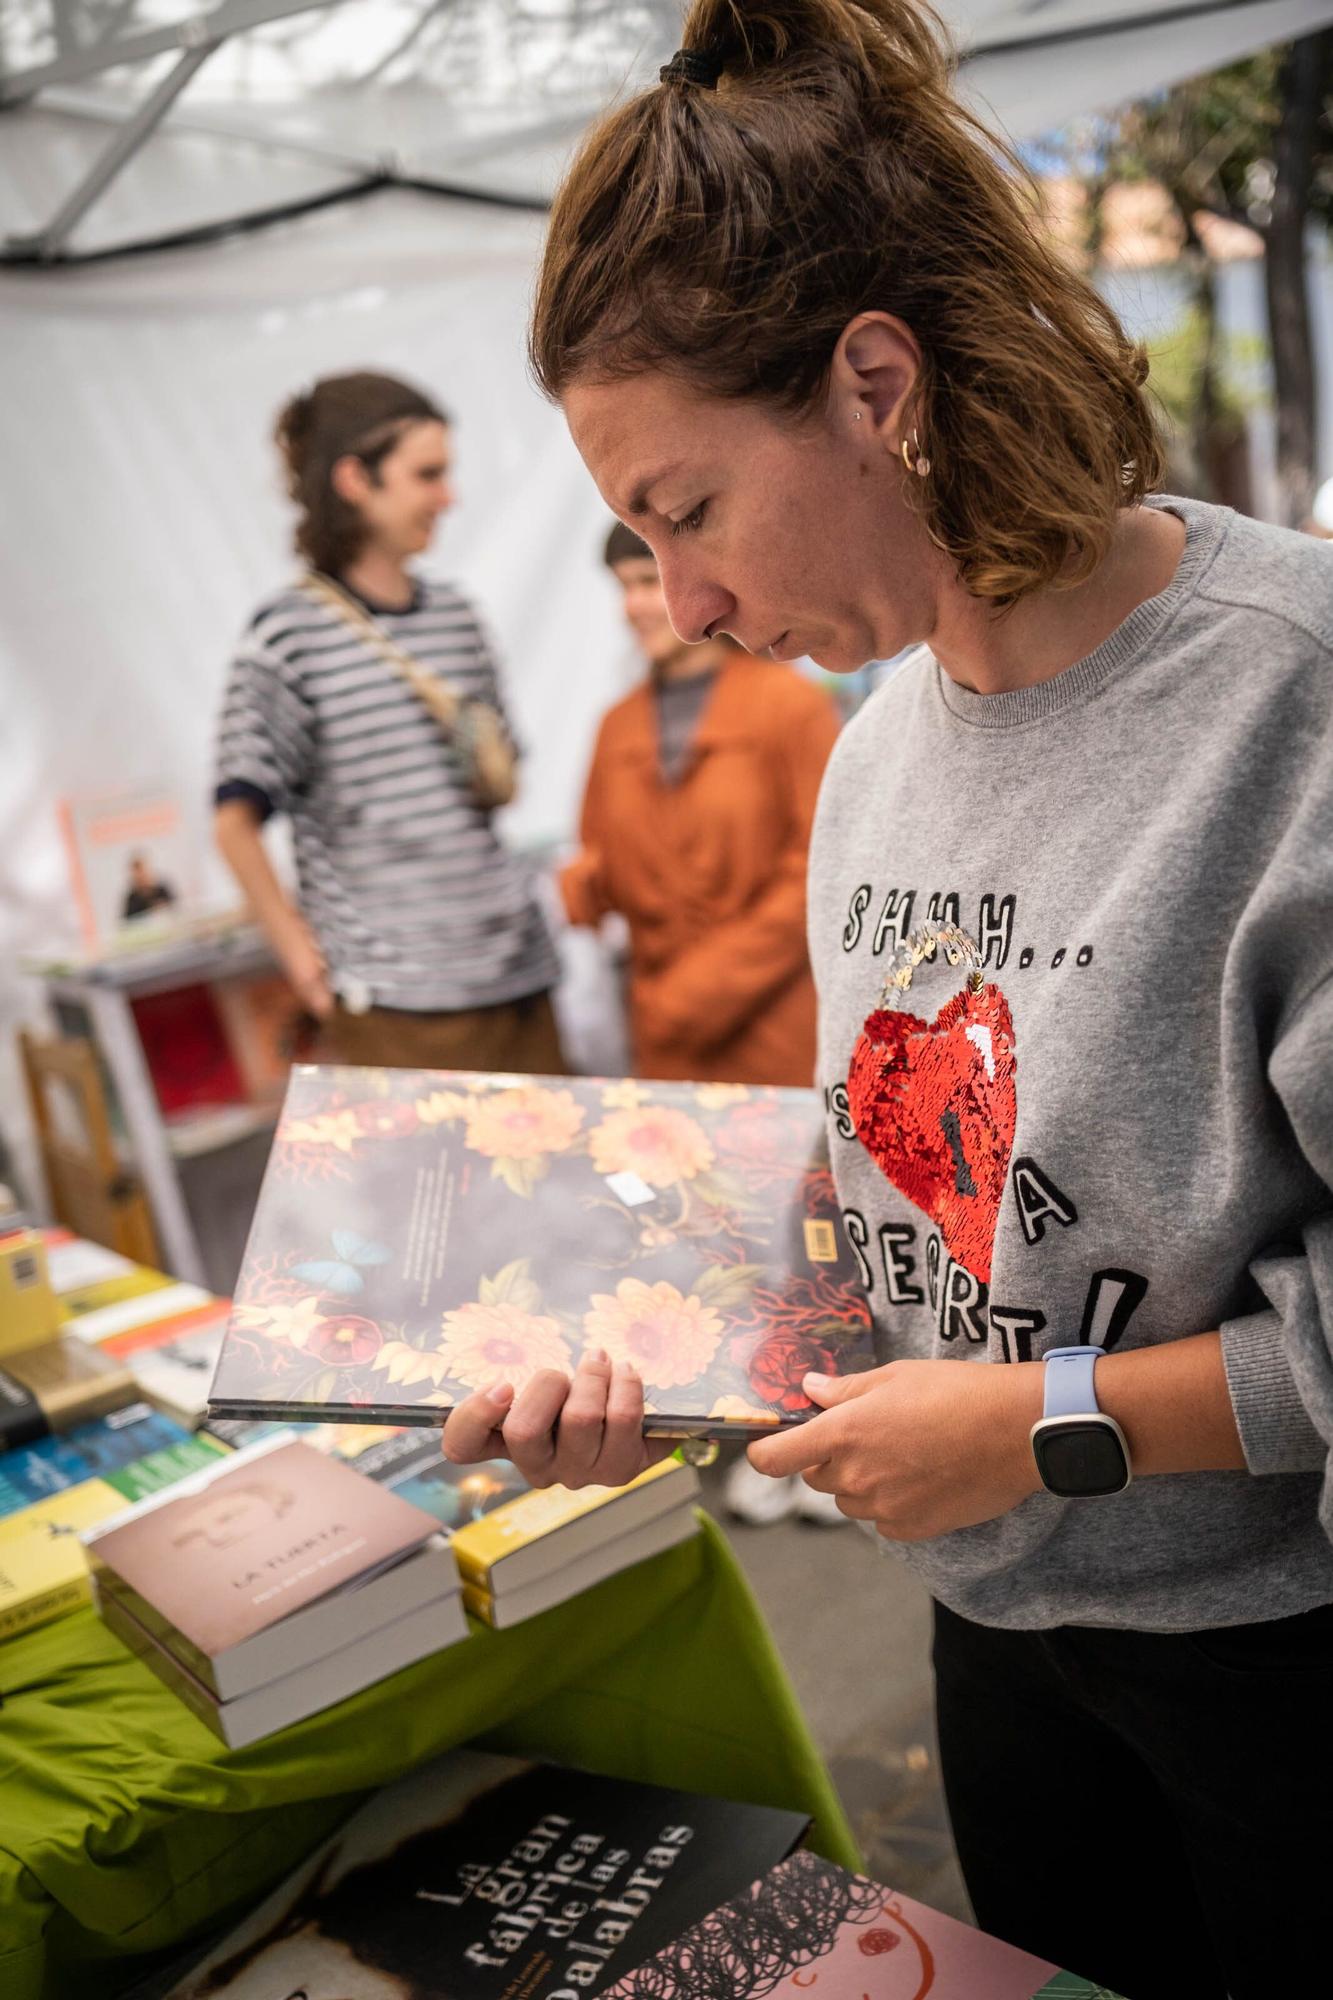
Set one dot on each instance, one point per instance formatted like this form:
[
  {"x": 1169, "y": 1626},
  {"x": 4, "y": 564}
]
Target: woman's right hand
[
  {"x": 561, "y": 1430},
  {"x": 307, "y": 970}
]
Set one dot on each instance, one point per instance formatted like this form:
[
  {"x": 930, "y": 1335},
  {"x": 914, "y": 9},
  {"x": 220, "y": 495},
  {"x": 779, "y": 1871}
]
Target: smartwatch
[{"x": 1081, "y": 1453}]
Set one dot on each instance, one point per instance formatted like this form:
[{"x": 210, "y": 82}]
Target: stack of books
[
  {"x": 518, "y": 1551},
  {"x": 544, "y": 1547},
  {"x": 274, "y": 1584}
]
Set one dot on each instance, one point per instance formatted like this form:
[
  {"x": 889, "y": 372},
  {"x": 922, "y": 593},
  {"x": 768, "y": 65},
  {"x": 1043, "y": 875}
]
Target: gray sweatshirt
[{"x": 1122, "y": 1130}]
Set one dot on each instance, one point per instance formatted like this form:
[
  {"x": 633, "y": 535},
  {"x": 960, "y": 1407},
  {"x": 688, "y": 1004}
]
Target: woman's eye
[{"x": 689, "y": 521}]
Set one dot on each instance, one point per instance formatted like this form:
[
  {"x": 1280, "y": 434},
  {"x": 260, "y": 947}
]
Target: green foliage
[
  {"x": 1178, "y": 361},
  {"x": 1209, "y": 141}
]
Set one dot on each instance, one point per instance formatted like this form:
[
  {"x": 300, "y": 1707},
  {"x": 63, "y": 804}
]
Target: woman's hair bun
[{"x": 891, "y": 41}]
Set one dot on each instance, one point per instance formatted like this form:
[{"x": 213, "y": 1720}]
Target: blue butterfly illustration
[{"x": 340, "y": 1275}]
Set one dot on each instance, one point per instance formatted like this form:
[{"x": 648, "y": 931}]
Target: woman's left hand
[{"x": 918, "y": 1447}]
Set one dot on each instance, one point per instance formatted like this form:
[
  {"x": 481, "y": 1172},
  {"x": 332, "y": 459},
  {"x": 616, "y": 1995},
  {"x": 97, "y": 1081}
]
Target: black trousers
[{"x": 1154, "y": 1811}]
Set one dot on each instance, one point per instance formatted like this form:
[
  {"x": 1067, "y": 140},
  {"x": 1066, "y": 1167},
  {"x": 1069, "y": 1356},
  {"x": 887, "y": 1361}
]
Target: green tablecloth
[{"x": 126, "y": 1827}]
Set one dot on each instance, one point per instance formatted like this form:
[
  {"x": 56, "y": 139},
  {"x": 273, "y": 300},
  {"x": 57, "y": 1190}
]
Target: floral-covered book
[{"x": 421, "y": 1234}]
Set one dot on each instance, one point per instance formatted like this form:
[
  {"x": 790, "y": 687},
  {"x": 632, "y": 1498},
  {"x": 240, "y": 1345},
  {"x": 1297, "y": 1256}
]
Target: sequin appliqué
[{"x": 934, "y": 1105}]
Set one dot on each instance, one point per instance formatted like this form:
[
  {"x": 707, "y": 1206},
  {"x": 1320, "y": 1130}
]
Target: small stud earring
[{"x": 856, "y": 416}]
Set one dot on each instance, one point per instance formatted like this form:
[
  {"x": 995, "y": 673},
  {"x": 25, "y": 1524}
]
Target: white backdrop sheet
[{"x": 143, "y": 515}]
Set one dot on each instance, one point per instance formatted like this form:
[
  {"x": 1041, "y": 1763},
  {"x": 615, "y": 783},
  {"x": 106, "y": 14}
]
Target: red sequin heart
[{"x": 934, "y": 1105}]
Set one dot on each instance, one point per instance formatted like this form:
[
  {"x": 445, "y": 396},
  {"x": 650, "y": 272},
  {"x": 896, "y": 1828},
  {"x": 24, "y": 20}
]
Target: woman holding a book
[{"x": 1072, "y": 925}]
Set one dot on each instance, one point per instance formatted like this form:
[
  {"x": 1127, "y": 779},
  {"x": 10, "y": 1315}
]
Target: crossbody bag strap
[{"x": 443, "y": 700}]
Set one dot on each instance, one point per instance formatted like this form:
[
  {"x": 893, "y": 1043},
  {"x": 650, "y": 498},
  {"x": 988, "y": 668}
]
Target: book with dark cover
[
  {"x": 422, "y": 1234},
  {"x": 478, "y": 1878},
  {"x": 808, "y": 1925}
]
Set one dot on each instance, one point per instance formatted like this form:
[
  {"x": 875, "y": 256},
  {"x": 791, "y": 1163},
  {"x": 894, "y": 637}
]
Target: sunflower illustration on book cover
[{"x": 424, "y": 1234}]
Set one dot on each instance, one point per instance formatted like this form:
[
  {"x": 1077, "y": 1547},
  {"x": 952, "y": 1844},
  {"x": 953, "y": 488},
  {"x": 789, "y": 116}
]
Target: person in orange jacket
[{"x": 696, "y": 821}]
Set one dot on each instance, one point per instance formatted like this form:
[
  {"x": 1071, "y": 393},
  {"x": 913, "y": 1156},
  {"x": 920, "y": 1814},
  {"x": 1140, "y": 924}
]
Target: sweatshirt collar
[{"x": 1205, "y": 527}]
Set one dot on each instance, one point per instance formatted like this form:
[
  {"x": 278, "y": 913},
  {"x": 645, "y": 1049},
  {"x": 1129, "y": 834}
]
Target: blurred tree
[{"x": 1251, "y": 143}]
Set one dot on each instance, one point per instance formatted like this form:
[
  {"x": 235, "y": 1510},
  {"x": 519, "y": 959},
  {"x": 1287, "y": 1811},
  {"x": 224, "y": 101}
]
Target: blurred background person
[
  {"x": 416, "y": 940},
  {"x": 696, "y": 821}
]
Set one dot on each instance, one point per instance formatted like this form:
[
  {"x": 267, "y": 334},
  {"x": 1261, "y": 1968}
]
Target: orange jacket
[{"x": 709, "y": 873}]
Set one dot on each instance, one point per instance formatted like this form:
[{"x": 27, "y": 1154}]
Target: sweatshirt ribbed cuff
[{"x": 1276, "y": 1432}]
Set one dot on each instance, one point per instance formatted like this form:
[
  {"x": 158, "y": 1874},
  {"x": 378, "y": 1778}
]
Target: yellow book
[
  {"x": 136, "y": 1283},
  {"x": 43, "y": 1570},
  {"x": 545, "y": 1529},
  {"x": 28, "y": 1310},
  {"x": 557, "y": 1586},
  {"x": 87, "y": 1276}
]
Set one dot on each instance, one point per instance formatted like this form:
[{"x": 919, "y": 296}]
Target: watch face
[{"x": 1080, "y": 1458}]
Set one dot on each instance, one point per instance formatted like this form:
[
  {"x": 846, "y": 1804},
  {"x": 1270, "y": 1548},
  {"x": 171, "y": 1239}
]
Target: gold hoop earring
[{"x": 919, "y": 463}]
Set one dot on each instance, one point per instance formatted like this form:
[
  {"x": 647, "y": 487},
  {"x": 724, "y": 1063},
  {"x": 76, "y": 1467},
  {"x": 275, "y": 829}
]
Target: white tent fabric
[
  {"x": 141, "y": 514},
  {"x": 489, "y": 94}
]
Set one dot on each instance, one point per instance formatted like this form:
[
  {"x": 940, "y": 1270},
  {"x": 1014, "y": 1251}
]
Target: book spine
[
  {"x": 42, "y": 1606},
  {"x": 22, "y": 1418},
  {"x": 480, "y": 1603}
]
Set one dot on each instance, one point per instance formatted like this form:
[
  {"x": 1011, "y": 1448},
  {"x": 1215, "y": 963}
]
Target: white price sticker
[{"x": 627, "y": 1187}]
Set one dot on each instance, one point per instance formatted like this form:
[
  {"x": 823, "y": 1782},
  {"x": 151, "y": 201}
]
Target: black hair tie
[{"x": 692, "y": 66}]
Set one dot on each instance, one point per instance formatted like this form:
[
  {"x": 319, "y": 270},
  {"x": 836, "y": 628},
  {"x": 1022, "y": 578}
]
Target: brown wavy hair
[
  {"x": 727, "y": 235},
  {"x": 362, "y": 414}
]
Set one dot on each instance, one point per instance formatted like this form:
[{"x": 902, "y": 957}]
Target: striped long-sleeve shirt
[{"x": 412, "y": 897}]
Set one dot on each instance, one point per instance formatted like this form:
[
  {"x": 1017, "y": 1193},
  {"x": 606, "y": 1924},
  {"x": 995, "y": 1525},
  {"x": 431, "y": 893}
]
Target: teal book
[{"x": 93, "y": 1450}]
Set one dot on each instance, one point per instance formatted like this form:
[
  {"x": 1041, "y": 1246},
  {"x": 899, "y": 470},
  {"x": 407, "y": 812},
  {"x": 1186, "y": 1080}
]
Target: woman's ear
[{"x": 874, "y": 373}]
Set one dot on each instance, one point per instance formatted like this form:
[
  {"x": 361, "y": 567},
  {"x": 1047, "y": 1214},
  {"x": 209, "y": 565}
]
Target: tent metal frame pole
[
  {"x": 48, "y": 242},
  {"x": 231, "y": 17}
]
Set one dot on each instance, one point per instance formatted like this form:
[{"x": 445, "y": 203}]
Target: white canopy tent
[{"x": 143, "y": 517}]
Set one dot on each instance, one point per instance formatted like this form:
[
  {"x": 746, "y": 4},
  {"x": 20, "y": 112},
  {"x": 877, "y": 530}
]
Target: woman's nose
[{"x": 694, "y": 605}]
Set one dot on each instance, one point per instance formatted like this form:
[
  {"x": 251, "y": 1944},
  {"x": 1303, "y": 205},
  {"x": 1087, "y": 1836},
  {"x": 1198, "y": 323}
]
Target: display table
[
  {"x": 96, "y": 999},
  {"x": 126, "y": 1827}
]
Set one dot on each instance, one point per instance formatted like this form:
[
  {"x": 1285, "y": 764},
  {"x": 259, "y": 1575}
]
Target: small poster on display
[{"x": 131, "y": 866}]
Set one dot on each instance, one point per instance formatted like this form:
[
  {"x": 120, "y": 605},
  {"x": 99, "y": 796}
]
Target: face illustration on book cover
[
  {"x": 478, "y": 1879},
  {"x": 421, "y": 1235},
  {"x": 934, "y": 1103},
  {"x": 257, "y": 1540}
]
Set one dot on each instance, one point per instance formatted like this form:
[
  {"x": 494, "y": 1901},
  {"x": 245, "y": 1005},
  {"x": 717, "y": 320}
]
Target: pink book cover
[
  {"x": 255, "y": 1538},
  {"x": 811, "y": 1931},
  {"x": 422, "y": 1234}
]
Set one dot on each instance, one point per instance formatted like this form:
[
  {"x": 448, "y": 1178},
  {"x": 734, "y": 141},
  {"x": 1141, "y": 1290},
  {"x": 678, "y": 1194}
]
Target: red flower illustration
[
  {"x": 344, "y": 1341},
  {"x": 874, "y": 1942},
  {"x": 779, "y": 1364}
]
